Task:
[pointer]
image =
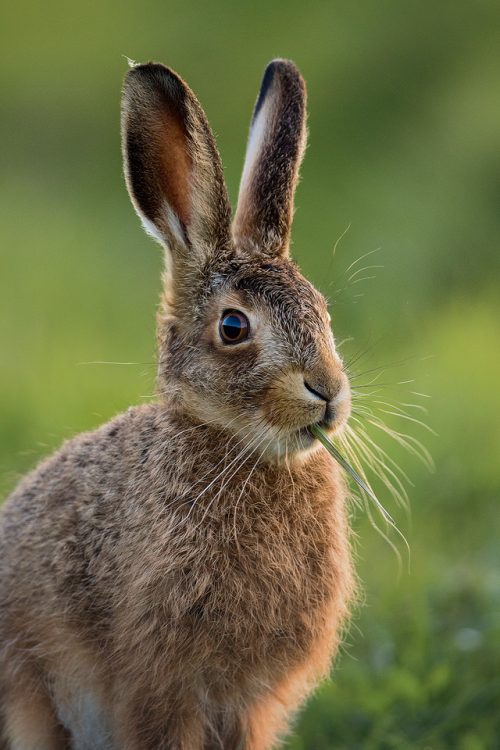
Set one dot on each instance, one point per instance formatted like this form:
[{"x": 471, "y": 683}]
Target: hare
[{"x": 179, "y": 578}]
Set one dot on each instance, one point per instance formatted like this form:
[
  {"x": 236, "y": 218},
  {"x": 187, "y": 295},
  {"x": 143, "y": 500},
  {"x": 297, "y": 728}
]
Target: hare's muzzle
[
  {"x": 329, "y": 389},
  {"x": 299, "y": 399}
]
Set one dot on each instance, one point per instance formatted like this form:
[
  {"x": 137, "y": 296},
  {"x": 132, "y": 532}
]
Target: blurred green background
[{"x": 405, "y": 151}]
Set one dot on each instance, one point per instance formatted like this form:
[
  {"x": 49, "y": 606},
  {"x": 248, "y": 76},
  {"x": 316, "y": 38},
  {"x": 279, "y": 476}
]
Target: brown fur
[{"x": 180, "y": 577}]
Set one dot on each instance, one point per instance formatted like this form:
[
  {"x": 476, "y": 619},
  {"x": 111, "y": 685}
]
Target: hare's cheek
[
  {"x": 286, "y": 412},
  {"x": 234, "y": 372}
]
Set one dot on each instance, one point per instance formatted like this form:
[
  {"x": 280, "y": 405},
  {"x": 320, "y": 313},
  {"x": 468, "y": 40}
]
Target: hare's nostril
[
  {"x": 319, "y": 392},
  {"x": 325, "y": 393}
]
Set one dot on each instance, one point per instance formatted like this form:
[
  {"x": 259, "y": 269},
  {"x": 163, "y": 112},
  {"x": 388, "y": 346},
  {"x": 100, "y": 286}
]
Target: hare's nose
[
  {"x": 318, "y": 390},
  {"x": 323, "y": 388}
]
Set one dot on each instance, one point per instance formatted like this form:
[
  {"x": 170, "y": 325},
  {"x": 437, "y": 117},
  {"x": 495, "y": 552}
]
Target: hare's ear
[
  {"x": 275, "y": 148},
  {"x": 172, "y": 167}
]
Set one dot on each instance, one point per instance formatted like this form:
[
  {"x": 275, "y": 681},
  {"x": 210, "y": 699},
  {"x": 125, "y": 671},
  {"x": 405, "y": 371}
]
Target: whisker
[
  {"x": 184, "y": 498},
  {"x": 402, "y": 415},
  {"x": 380, "y": 470},
  {"x": 361, "y": 257},
  {"x": 363, "y": 278},
  {"x": 337, "y": 243},
  {"x": 381, "y": 452},
  {"x": 387, "y": 518},
  {"x": 360, "y": 270},
  {"x": 228, "y": 466},
  {"x": 246, "y": 482},
  {"x": 228, "y": 478},
  {"x": 385, "y": 536},
  {"x": 241, "y": 455},
  {"x": 360, "y": 353},
  {"x": 231, "y": 448},
  {"x": 196, "y": 427},
  {"x": 409, "y": 442},
  {"x": 367, "y": 413},
  {"x": 340, "y": 238},
  {"x": 419, "y": 407}
]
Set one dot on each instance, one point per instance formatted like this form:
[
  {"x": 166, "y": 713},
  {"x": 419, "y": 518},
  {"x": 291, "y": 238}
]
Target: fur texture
[{"x": 179, "y": 578}]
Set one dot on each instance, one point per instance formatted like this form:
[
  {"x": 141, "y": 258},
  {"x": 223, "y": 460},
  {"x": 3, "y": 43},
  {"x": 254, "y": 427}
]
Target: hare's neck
[{"x": 230, "y": 475}]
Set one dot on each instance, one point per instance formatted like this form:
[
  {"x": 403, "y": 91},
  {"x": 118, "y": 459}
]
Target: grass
[{"x": 318, "y": 432}]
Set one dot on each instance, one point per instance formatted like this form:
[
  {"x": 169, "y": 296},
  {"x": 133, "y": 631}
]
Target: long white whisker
[
  {"x": 231, "y": 448},
  {"x": 402, "y": 415},
  {"x": 360, "y": 270},
  {"x": 361, "y": 257},
  {"x": 226, "y": 468},
  {"x": 381, "y": 452},
  {"x": 244, "y": 455},
  {"x": 380, "y": 469},
  {"x": 409, "y": 442},
  {"x": 246, "y": 482}
]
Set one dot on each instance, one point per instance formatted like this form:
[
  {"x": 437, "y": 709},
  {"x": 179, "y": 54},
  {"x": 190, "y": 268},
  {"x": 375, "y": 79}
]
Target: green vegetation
[{"x": 405, "y": 150}]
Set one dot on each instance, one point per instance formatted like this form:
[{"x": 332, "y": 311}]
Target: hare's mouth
[
  {"x": 305, "y": 436},
  {"x": 301, "y": 441},
  {"x": 298, "y": 441},
  {"x": 332, "y": 423}
]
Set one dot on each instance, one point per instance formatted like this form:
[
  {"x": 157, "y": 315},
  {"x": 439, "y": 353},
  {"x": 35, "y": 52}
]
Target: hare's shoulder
[
  {"x": 88, "y": 467},
  {"x": 67, "y": 515}
]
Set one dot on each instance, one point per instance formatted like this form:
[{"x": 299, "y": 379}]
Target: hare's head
[{"x": 244, "y": 339}]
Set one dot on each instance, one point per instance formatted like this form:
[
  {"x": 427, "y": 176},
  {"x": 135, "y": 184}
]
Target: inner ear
[
  {"x": 172, "y": 167},
  {"x": 176, "y": 164},
  {"x": 159, "y": 164}
]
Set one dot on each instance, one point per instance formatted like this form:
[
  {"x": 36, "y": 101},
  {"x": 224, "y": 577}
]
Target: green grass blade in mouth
[{"x": 317, "y": 432}]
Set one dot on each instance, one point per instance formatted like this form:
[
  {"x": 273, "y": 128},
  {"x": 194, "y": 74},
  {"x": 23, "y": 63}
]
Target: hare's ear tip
[
  {"x": 283, "y": 70},
  {"x": 282, "y": 74},
  {"x": 282, "y": 66},
  {"x": 281, "y": 62},
  {"x": 146, "y": 69},
  {"x": 153, "y": 75}
]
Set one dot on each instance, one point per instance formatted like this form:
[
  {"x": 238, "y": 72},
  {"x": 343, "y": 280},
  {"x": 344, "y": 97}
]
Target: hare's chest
[{"x": 270, "y": 589}]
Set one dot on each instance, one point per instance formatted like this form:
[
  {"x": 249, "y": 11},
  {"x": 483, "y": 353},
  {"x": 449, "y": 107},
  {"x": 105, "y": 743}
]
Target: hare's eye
[{"x": 234, "y": 327}]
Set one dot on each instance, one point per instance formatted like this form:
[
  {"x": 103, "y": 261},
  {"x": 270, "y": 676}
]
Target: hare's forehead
[{"x": 278, "y": 294}]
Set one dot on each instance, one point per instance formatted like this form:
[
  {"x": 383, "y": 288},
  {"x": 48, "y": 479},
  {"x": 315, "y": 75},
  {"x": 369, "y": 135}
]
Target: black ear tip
[
  {"x": 265, "y": 86},
  {"x": 286, "y": 71},
  {"x": 283, "y": 68}
]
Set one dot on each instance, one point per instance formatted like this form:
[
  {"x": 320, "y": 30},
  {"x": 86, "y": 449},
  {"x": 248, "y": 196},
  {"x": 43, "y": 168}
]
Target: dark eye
[{"x": 234, "y": 327}]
